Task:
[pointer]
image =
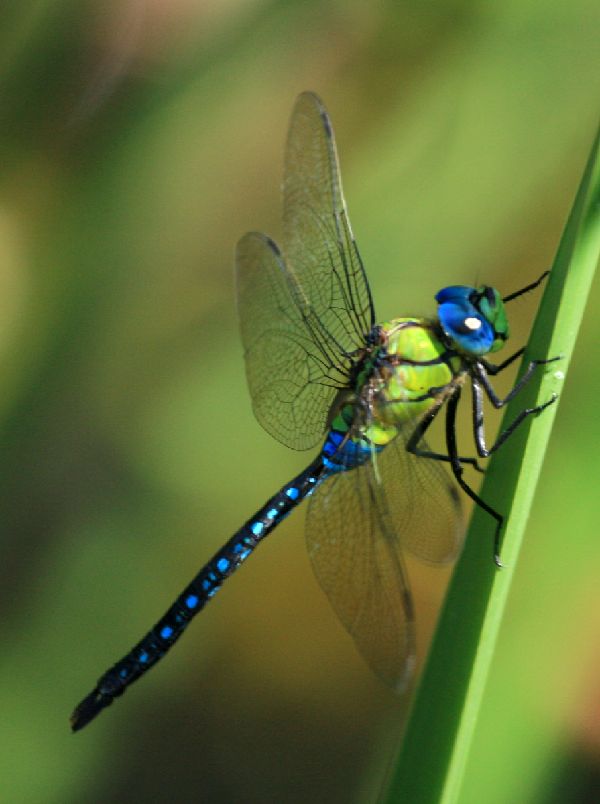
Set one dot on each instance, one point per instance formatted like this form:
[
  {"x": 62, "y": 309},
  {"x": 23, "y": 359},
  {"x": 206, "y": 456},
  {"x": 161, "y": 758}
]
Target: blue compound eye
[{"x": 463, "y": 322}]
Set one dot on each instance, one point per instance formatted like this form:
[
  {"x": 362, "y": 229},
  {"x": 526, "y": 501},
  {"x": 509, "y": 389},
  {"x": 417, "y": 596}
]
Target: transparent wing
[
  {"x": 292, "y": 367},
  {"x": 359, "y": 523},
  {"x": 304, "y": 317},
  {"x": 355, "y": 556},
  {"x": 424, "y": 502},
  {"x": 318, "y": 242}
]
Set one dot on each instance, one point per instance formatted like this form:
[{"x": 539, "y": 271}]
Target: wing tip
[
  {"x": 260, "y": 237},
  {"x": 314, "y": 101}
]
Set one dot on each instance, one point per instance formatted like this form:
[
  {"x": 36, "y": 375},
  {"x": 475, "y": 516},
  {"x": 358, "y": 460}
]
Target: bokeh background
[{"x": 138, "y": 140}]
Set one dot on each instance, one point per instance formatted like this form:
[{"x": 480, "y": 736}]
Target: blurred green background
[{"x": 139, "y": 139}]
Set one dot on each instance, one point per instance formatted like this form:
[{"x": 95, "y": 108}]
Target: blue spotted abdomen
[{"x": 195, "y": 596}]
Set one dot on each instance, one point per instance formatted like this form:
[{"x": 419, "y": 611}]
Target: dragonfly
[{"x": 320, "y": 369}]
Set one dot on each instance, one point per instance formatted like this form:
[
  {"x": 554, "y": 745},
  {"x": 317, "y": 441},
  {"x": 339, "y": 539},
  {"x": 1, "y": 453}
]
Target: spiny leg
[
  {"x": 483, "y": 368},
  {"x": 457, "y": 472},
  {"x": 494, "y": 369},
  {"x": 412, "y": 445},
  {"x": 526, "y": 289},
  {"x": 478, "y": 419}
]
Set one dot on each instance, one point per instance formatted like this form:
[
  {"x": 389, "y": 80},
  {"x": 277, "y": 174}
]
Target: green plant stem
[{"x": 438, "y": 739}]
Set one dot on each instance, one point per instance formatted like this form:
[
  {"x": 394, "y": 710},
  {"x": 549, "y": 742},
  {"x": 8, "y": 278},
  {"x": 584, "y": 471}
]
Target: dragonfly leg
[
  {"x": 478, "y": 420},
  {"x": 526, "y": 289},
  {"x": 483, "y": 368},
  {"x": 494, "y": 369},
  {"x": 457, "y": 471},
  {"x": 412, "y": 445}
]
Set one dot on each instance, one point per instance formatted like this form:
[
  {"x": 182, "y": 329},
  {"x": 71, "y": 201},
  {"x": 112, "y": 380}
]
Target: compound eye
[{"x": 489, "y": 295}]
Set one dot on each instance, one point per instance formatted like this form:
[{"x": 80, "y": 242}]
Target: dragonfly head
[{"x": 474, "y": 319}]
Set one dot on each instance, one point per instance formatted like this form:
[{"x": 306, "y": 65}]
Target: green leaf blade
[{"x": 438, "y": 740}]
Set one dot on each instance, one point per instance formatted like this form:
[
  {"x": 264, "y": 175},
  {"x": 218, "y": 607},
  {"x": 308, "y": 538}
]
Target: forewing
[
  {"x": 356, "y": 558},
  {"x": 293, "y": 372},
  {"x": 318, "y": 242}
]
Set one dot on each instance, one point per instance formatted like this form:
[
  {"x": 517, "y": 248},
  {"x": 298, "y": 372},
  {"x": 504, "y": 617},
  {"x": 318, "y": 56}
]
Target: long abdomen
[{"x": 195, "y": 596}]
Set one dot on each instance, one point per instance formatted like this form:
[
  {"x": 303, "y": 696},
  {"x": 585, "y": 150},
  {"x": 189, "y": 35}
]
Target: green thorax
[{"x": 398, "y": 389}]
